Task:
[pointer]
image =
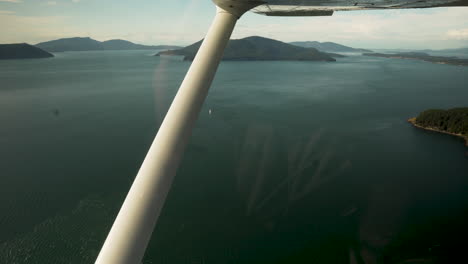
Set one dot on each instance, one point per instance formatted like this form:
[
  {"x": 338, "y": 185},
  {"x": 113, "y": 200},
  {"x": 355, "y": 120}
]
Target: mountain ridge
[
  {"x": 257, "y": 48},
  {"x": 89, "y": 44},
  {"x": 422, "y": 56},
  {"x": 327, "y": 46}
]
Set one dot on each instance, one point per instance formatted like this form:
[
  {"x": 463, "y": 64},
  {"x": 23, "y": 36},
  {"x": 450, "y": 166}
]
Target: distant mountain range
[
  {"x": 459, "y": 50},
  {"x": 250, "y": 48},
  {"x": 327, "y": 46},
  {"x": 85, "y": 44},
  {"x": 22, "y": 51},
  {"x": 434, "y": 51},
  {"x": 258, "y": 48},
  {"x": 421, "y": 56}
]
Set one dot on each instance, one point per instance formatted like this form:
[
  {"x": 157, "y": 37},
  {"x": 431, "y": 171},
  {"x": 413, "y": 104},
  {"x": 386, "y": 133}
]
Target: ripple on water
[{"x": 64, "y": 238}]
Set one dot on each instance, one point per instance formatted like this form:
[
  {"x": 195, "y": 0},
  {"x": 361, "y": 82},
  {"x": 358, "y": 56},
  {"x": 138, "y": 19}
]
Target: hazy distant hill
[
  {"x": 327, "y": 46},
  {"x": 119, "y": 44},
  {"x": 436, "y": 52},
  {"x": 22, "y": 51},
  {"x": 459, "y": 50},
  {"x": 70, "y": 44},
  {"x": 257, "y": 48},
  {"x": 421, "y": 56},
  {"x": 84, "y": 44}
]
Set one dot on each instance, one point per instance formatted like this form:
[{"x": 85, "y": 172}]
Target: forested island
[
  {"x": 453, "y": 121},
  {"x": 421, "y": 56},
  {"x": 327, "y": 46},
  {"x": 89, "y": 44},
  {"x": 22, "y": 51},
  {"x": 258, "y": 48}
]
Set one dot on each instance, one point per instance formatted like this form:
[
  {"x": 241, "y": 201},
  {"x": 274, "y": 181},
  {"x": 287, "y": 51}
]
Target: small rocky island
[
  {"x": 422, "y": 56},
  {"x": 259, "y": 49},
  {"x": 22, "y": 51},
  {"x": 453, "y": 121}
]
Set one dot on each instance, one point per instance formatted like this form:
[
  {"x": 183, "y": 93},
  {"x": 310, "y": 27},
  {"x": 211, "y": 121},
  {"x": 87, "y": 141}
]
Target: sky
[{"x": 182, "y": 22}]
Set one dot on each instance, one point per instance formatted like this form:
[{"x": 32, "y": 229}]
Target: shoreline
[
  {"x": 412, "y": 121},
  {"x": 427, "y": 58}
]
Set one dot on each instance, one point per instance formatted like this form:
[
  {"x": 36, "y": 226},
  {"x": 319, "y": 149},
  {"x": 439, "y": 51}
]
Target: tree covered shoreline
[{"x": 452, "y": 121}]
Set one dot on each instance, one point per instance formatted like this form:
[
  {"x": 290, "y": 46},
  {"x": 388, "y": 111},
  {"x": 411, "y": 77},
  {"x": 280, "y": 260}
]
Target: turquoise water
[{"x": 298, "y": 162}]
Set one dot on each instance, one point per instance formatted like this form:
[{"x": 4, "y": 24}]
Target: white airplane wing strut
[{"x": 132, "y": 229}]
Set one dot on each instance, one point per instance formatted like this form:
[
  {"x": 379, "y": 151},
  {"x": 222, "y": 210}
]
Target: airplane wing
[{"x": 327, "y": 7}]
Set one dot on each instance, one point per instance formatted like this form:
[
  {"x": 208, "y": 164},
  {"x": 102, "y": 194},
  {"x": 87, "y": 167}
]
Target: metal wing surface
[{"x": 327, "y": 7}]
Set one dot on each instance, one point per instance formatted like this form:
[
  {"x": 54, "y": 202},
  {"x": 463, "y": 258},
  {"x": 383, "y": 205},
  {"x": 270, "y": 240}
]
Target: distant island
[
  {"x": 453, "y": 121},
  {"x": 457, "y": 50},
  {"x": 22, "y": 51},
  {"x": 422, "y": 56},
  {"x": 89, "y": 44},
  {"x": 327, "y": 46},
  {"x": 258, "y": 48}
]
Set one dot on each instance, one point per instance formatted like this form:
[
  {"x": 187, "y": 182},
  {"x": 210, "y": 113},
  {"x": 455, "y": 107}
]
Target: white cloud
[
  {"x": 6, "y": 12},
  {"x": 75, "y": 1},
  {"x": 368, "y": 29},
  {"x": 459, "y": 34},
  {"x": 51, "y": 3},
  {"x": 413, "y": 29},
  {"x": 11, "y": 1}
]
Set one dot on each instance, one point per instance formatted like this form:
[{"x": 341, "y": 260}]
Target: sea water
[{"x": 289, "y": 162}]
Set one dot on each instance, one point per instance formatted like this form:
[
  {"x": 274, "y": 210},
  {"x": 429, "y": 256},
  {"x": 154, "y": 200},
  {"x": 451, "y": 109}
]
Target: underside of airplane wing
[{"x": 327, "y": 7}]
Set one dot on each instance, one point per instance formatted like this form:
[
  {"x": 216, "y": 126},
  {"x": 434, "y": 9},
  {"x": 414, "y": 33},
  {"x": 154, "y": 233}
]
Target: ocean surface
[{"x": 298, "y": 162}]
